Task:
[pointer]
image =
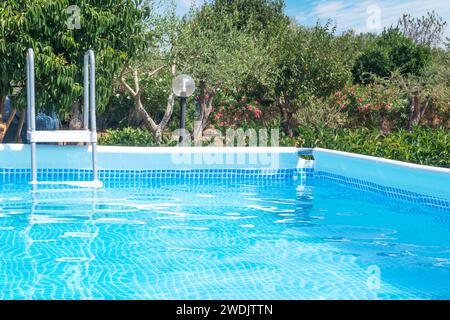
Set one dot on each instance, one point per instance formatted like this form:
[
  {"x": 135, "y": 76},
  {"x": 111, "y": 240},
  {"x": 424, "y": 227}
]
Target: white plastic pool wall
[
  {"x": 425, "y": 180},
  {"x": 133, "y": 158}
]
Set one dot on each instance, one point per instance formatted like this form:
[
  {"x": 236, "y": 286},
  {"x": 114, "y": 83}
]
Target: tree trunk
[
  {"x": 4, "y": 126},
  {"x": 385, "y": 124},
  {"x": 76, "y": 119},
  {"x": 156, "y": 129},
  {"x": 18, "y": 136},
  {"x": 2, "y": 123},
  {"x": 416, "y": 109},
  {"x": 286, "y": 116},
  {"x": 206, "y": 107}
]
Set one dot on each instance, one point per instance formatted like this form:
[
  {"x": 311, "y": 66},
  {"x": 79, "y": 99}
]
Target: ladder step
[
  {"x": 78, "y": 184},
  {"x": 42, "y": 136}
]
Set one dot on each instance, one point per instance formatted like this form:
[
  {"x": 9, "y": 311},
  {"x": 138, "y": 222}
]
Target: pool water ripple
[{"x": 218, "y": 241}]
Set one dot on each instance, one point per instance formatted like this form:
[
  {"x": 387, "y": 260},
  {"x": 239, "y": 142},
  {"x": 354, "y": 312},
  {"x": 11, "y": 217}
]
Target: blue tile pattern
[
  {"x": 391, "y": 192},
  {"x": 10, "y": 175},
  {"x": 222, "y": 234},
  {"x": 46, "y": 174}
]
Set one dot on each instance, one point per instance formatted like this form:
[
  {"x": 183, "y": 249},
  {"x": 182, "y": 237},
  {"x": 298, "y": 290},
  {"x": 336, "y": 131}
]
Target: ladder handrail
[
  {"x": 89, "y": 95},
  {"x": 31, "y": 110},
  {"x": 88, "y": 108},
  {"x": 86, "y": 92},
  {"x": 89, "y": 91},
  {"x": 30, "y": 90}
]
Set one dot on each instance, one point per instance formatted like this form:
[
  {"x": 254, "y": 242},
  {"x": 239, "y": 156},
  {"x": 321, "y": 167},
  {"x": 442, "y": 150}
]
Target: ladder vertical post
[
  {"x": 31, "y": 111},
  {"x": 86, "y": 92},
  {"x": 92, "y": 113}
]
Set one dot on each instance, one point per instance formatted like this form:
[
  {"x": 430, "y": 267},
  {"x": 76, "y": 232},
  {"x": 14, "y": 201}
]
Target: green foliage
[
  {"x": 117, "y": 114},
  {"x": 390, "y": 52},
  {"x": 254, "y": 16},
  {"x": 130, "y": 137},
  {"x": 306, "y": 62},
  {"x": 321, "y": 113},
  {"x": 238, "y": 113},
  {"x": 373, "y": 105},
  {"x": 437, "y": 78},
  {"x": 113, "y": 29},
  {"x": 207, "y": 46},
  {"x": 254, "y": 68},
  {"x": 311, "y": 61},
  {"x": 423, "y": 145}
]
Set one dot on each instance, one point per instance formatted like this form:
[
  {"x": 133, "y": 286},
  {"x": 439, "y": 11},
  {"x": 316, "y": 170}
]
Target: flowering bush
[
  {"x": 238, "y": 114},
  {"x": 372, "y": 105}
]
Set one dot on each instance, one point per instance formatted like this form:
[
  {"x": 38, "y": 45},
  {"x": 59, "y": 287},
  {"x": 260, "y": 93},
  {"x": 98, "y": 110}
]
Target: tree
[
  {"x": 156, "y": 60},
  {"x": 429, "y": 90},
  {"x": 427, "y": 30},
  {"x": 138, "y": 89},
  {"x": 307, "y": 62},
  {"x": 389, "y": 52},
  {"x": 254, "y": 16},
  {"x": 213, "y": 47},
  {"x": 113, "y": 29}
]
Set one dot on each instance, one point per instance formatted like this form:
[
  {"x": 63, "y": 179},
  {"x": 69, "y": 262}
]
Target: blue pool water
[{"x": 219, "y": 240}]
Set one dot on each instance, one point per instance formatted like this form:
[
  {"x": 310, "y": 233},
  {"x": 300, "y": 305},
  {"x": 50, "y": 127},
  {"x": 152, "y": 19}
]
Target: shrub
[
  {"x": 320, "y": 113},
  {"x": 389, "y": 52},
  {"x": 373, "y": 105},
  {"x": 129, "y": 137},
  {"x": 238, "y": 113},
  {"x": 423, "y": 145}
]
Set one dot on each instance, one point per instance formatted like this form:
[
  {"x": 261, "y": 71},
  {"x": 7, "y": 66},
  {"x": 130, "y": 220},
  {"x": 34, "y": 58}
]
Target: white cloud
[
  {"x": 324, "y": 10},
  {"x": 354, "y": 15}
]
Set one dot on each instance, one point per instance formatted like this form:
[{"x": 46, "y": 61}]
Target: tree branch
[
  {"x": 149, "y": 76},
  {"x": 136, "y": 82},
  {"x": 124, "y": 83}
]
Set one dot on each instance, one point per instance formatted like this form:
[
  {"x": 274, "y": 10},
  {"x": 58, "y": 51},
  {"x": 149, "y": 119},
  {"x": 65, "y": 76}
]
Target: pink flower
[
  {"x": 250, "y": 108},
  {"x": 257, "y": 113}
]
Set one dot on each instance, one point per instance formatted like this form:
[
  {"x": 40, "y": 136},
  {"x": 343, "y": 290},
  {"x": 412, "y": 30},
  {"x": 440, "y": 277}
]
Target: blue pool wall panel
[{"x": 419, "y": 179}]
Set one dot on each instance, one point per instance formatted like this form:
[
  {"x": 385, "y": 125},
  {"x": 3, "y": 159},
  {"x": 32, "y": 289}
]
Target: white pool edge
[{"x": 402, "y": 164}]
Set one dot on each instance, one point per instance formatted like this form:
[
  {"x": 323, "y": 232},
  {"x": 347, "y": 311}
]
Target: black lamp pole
[{"x": 182, "y": 118}]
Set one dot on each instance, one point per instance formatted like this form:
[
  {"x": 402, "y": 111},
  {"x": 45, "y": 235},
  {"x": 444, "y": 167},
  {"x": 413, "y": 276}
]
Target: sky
[{"x": 359, "y": 15}]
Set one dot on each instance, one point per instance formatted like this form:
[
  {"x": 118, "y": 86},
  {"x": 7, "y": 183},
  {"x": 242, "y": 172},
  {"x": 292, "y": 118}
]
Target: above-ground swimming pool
[{"x": 347, "y": 227}]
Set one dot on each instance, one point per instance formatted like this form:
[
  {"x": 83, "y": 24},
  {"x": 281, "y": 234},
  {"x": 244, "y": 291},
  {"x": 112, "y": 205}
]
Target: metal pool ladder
[{"x": 87, "y": 135}]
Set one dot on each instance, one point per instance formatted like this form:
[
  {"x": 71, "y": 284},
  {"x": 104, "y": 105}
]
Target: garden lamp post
[{"x": 183, "y": 87}]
